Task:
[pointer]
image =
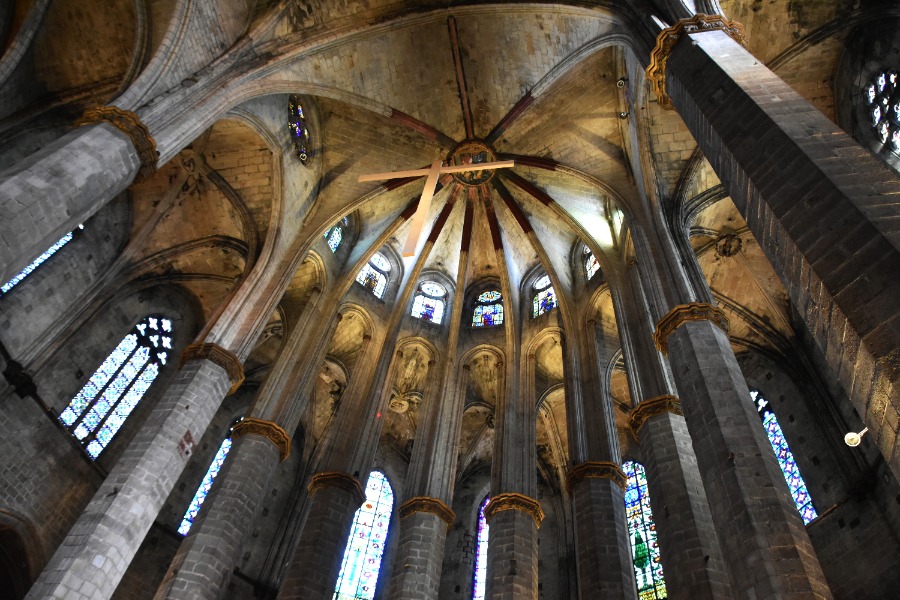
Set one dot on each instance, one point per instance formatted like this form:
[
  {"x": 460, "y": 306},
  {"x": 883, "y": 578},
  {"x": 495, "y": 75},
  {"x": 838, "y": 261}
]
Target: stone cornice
[
  {"x": 338, "y": 480},
  {"x": 667, "y": 38},
  {"x": 651, "y": 407},
  {"x": 596, "y": 470},
  {"x": 681, "y": 314},
  {"x": 267, "y": 429},
  {"x": 130, "y": 124},
  {"x": 513, "y": 501},
  {"x": 219, "y": 356},
  {"x": 428, "y": 505}
]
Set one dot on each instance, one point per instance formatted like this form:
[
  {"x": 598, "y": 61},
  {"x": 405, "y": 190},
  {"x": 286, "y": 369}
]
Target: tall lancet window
[
  {"x": 6, "y": 287},
  {"x": 785, "y": 458},
  {"x": 544, "y": 297},
  {"x": 488, "y": 309},
  {"x": 102, "y": 405},
  {"x": 335, "y": 235},
  {"x": 373, "y": 276},
  {"x": 362, "y": 558},
  {"x": 648, "y": 573},
  {"x": 429, "y": 302},
  {"x": 298, "y": 129},
  {"x": 481, "y": 546}
]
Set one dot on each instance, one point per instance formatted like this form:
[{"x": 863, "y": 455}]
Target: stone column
[
  {"x": 512, "y": 552},
  {"x": 424, "y": 523},
  {"x": 822, "y": 208},
  {"x": 692, "y": 561}
]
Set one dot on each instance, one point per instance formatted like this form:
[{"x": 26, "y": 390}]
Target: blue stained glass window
[
  {"x": 428, "y": 304},
  {"x": 648, "y": 571},
  {"x": 373, "y": 276},
  {"x": 481, "y": 547},
  {"x": 786, "y": 461},
  {"x": 35, "y": 263},
  {"x": 298, "y": 129},
  {"x": 882, "y": 98},
  {"x": 334, "y": 237},
  {"x": 488, "y": 310},
  {"x": 100, "y": 408},
  {"x": 365, "y": 547},
  {"x": 218, "y": 460},
  {"x": 544, "y": 301},
  {"x": 491, "y": 296}
]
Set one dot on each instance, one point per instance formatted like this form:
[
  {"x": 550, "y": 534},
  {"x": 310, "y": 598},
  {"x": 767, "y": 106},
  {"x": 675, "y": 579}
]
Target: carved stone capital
[
  {"x": 681, "y": 314},
  {"x": 513, "y": 501},
  {"x": 667, "y": 38},
  {"x": 428, "y": 505},
  {"x": 267, "y": 429},
  {"x": 128, "y": 123},
  {"x": 337, "y": 480},
  {"x": 650, "y": 407},
  {"x": 219, "y": 356},
  {"x": 596, "y": 470}
]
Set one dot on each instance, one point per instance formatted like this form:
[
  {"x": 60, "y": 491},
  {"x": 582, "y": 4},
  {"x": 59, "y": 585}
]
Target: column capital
[
  {"x": 652, "y": 407},
  {"x": 513, "y": 501},
  {"x": 221, "y": 357},
  {"x": 428, "y": 505},
  {"x": 339, "y": 480},
  {"x": 267, "y": 429},
  {"x": 667, "y": 38},
  {"x": 596, "y": 469},
  {"x": 681, "y": 314},
  {"x": 130, "y": 124}
]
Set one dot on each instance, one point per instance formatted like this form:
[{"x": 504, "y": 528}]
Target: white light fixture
[{"x": 853, "y": 439}]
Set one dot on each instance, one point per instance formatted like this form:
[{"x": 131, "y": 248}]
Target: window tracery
[
  {"x": 481, "y": 545},
  {"x": 545, "y": 298},
  {"x": 100, "y": 408},
  {"x": 373, "y": 276},
  {"x": 365, "y": 547},
  {"x": 6, "y": 287},
  {"x": 648, "y": 571},
  {"x": 429, "y": 302},
  {"x": 298, "y": 129},
  {"x": 882, "y": 98},
  {"x": 789, "y": 469},
  {"x": 488, "y": 309}
]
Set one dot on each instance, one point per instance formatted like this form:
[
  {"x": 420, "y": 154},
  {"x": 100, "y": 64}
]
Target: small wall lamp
[{"x": 853, "y": 439}]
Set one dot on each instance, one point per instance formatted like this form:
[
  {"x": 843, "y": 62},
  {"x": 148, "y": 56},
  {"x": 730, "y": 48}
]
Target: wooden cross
[{"x": 432, "y": 173}]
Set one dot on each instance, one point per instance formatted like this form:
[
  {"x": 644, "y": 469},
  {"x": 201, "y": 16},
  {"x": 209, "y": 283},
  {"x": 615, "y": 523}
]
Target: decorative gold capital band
[
  {"x": 513, "y": 501},
  {"x": 221, "y": 357},
  {"x": 130, "y": 124},
  {"x": 667, "y": 38},
  {"x": 428, "y": 505},
  {"x": 267, "y": 429},
  {"x": 337, "y": 480},
  {"x": 681, "y": 314},
  {"x": 651, "y": 407},
  {"x": 596, "y": 470}
]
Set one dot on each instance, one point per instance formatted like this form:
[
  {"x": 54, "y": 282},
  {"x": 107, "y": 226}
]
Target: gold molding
[
  {"x": 513, "y": 501},
  {"x": 338, "y": 480},
  {"x": 681, "y": 314},
  {"x": 596, "y": 469},
  {"x": 428, "y": 505},
  {"x": 652, "y": 407},
  {"x": 219, "y": 356},
  {"x": 130, "y": 124},
  {"x": 667, "y": 38},
  {"x": 267, "y": 429}
]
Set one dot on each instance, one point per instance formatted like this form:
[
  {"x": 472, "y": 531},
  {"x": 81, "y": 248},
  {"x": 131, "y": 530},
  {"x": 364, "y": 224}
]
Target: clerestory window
[
  {"x": 488, "y": 309},
  {"x": 591, "y": 266},
  {"x": 882, "y": 98},
  {"x": 544, "y": 298},
  {"x": 374, "y": 275},
  {"x": 299, "y": 132},
  {"x": 429, "y": 302},
  {"x": 335, "y": 235}
]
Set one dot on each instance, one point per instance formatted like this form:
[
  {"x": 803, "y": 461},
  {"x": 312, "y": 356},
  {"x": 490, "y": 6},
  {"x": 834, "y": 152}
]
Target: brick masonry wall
[
  {"x": 420, "y": 552},
  {"x": 512, "y": 556}
]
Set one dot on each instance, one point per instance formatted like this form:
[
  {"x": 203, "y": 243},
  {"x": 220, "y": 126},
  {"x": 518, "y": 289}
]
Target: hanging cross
[{"x": 432, "y": 173}]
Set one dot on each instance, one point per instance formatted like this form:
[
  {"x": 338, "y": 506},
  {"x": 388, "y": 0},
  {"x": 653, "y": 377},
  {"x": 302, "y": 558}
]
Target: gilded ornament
[
  {"x": 130, "y": 124},
  {"x": 681, "y": 314},
  {"x": 513, "y": 501},
  {"x": 219, "y": 356},
  {"x": 596, "y": 470},
  {"x": 651, "y": 407},
  {"x": 267, "y": 429}
]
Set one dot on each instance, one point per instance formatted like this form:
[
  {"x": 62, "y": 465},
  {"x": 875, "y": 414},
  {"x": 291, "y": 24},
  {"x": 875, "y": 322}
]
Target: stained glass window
[
  {"x": 365, "y": 547},
  {"x": 428, "y": 304},
  {"x": 882, "y": 98},
  {"x": 545, "y": 298},
  {"x": 194, "y": 507},
  {"x": 100, "y": 408},
  {"x": 373, "y": 276},
  {"x": 590, "y": 263},
  {"x": 334, "y": 237},
  {"x": 785, "y": 458},
  {"x": 37, "y": 262},
  {"x": 481, "y": 547},
  {"x": 488, "y": 309},
  {"x": 648, "y": 573},
  {"x": 298, "y": 129}
]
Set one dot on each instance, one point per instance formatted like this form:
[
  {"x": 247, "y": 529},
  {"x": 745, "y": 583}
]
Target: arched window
[
  {"x": 200, "y": 495},
  {"x": 298, "y": 129},
  {"x": 648, "y": 573},
  {"x": 37, "y": 262},
  {"x": 544, "y": 297},
  {"x": 429, "y": 302},
  {"x": 334, "y": 235},
  {"x": 785, "y": 458},
  {"x": 481, "y": 546},
  {"x": 102, "y": 405},
  {"x": 591, "y": 266},
  {"x": 882, "y": 98},
  {"x": 362, "y": 558},
  {"x": 373, "y": 276},
  {"x": 488, "y": 309}
]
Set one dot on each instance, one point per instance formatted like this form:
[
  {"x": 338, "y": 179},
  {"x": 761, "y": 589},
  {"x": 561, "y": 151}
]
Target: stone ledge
[{"x": 267, "y": 429}]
